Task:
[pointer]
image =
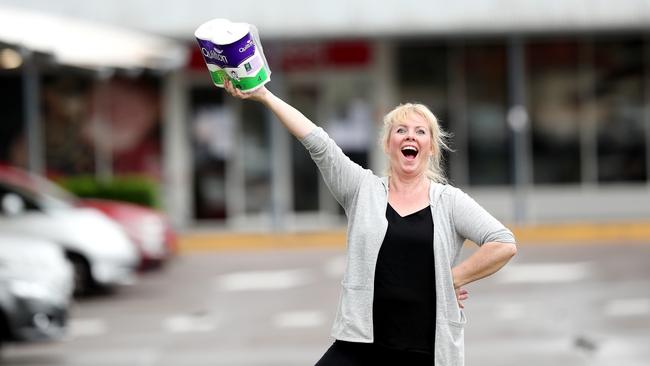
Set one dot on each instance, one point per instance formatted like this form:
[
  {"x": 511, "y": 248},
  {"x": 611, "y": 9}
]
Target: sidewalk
[{"x": 559, "y": 234}]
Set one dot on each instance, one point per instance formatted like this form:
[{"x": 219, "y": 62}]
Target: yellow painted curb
[
  {"x": 583, "y": 233},
  {"x": 247, "y": 241}
]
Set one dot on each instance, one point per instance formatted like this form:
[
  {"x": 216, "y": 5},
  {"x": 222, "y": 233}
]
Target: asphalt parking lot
[{"x": 553, "y": 305}]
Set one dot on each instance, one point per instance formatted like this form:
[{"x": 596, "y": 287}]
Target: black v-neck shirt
[{"x": 404, "y": 298}]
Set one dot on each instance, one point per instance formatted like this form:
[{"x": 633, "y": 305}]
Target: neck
[{"x": 399, "y": 183}]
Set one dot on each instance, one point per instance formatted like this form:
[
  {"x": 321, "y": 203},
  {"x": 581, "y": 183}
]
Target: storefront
[{"x": 586, "y": 131}]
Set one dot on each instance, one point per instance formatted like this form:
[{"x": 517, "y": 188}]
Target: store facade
[{"x": 583, "y": 145}]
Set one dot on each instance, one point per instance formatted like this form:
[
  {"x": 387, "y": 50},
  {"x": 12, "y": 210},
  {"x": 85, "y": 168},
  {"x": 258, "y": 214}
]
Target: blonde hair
[{"x": 439, "y": 137}]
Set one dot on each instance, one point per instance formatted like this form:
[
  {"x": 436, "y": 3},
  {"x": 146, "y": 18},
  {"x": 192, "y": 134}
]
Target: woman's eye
[
  {"x": 420, "y": 132},
  {"x": 401, "y": 130}
]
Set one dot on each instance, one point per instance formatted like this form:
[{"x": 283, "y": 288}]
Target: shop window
[
  {"x": 619, "y": 75},
  {"x": 553, "y": 101},
  {"x": 486, "y": 98},
  {"x": 256, "y": 155},
  {"x": 212, "y": 137},
  {"x": 12, "y": 141}
]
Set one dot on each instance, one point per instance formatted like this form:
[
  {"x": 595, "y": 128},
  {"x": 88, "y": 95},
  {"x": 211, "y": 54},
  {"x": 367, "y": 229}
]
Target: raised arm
[
  {"x": 296, "y": 122},
  {"x": 342, "y": 175}
]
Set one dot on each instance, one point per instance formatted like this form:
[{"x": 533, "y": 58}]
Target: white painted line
[
  {"x": 299, "y": 319},
  {"x": 263, "y": 280},
  {"x": 189, "y": 324},
  {"x": 86, "y": 327},
  {"x": 511, "y": 311},
  {"x": 335, "y": 267},
  {"x": 545, "y": 272},
  {"x": 627, "y": 307}
]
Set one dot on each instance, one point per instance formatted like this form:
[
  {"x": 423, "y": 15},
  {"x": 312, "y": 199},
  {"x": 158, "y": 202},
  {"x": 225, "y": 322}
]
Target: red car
[{"x": 149, "y": 229}]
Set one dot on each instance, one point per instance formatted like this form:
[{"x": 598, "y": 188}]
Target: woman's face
[{"x": 409, "y": 146}]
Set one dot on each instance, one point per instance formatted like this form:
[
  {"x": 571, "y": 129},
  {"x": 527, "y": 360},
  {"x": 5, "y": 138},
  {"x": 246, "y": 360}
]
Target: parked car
[
  {"x": 36, "y": 284},
  {"x": 98, "y": 248},
  {"x": 148, "y": 229}
]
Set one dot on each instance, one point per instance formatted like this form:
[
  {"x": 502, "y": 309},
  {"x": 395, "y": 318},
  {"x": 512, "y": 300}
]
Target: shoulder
[{"x": 444, "y": 191}]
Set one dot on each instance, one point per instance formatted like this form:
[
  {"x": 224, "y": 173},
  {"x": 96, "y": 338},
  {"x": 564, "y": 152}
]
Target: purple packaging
[{"x": 232, "y": 50}]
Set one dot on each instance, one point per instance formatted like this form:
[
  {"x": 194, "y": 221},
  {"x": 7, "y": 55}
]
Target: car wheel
[{"x": 82, "y": 277}]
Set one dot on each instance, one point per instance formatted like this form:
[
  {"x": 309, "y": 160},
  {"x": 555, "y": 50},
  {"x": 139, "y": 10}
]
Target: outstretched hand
[
  {"x": 257, "y": 95},
  {"x": 461, "y": 295}
]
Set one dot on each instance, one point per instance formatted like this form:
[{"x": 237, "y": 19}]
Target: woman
[{"x": 401, "y": 295}]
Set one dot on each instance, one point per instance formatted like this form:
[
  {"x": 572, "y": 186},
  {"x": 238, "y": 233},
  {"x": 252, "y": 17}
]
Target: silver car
[
  {"x": 100, "y": 251},
  {"x": 36, "y": 285}
]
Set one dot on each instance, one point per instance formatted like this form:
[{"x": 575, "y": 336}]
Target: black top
[{"x": 405, "y": 299}]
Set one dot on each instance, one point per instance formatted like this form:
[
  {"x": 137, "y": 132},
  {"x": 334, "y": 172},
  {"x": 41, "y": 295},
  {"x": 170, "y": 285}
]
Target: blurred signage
[{"x": 305, "y": 56}]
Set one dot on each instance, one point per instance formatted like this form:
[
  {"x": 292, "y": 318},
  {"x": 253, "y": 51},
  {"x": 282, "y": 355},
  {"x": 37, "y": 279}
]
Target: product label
[
  {"x": 230, "y": 55},
  {"x": 240, "y": 61}
]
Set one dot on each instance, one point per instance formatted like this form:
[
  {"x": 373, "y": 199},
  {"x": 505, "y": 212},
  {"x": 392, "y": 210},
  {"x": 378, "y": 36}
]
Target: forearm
[
  {"x": 296, "y": 122},
  {"x": 487, "y": 260}
]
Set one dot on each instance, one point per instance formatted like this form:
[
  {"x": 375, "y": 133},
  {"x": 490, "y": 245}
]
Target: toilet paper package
[{"x": 233, "y": 50}]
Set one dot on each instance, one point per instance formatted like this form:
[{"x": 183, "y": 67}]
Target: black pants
[{"x": 368, "y": 354}]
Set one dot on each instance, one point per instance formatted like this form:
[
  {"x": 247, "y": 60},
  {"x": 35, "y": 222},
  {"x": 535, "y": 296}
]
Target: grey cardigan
[{"x": 364, "y": 196}]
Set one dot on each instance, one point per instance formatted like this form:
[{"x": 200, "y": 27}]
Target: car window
[
  {"x": 43, "y": 192},
  {"x": 14, "y": 201},
  {"x": 53, "y": 192}
]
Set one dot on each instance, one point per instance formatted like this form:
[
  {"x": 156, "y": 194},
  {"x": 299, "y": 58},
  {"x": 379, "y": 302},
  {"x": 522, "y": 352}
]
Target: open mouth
[{"x": 410, "y": 152}]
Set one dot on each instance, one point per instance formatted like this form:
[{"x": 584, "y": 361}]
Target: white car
[
  {"x": 99, "y": 250},
  {"x": 36, "y": 284}
]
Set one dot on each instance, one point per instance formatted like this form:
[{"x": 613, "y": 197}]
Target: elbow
[
  {"x": 512, "y": 250},
  {"x": 507, "y": 251}
]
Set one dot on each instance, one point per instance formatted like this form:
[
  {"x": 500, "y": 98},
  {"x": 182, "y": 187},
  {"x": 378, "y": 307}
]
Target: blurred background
[
  {"x": 122, "y": 89},
  {"x": 548, "y": 103}
]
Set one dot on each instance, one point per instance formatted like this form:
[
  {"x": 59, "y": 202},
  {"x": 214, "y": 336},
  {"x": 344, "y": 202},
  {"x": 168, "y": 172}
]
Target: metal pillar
[
  {"x": 646, "y": 92},
  {"x": 177, "y": 172},
  {"x": 102, "y": 127},
  {"x": 32, "y": 113},
  {"x": 384, "y": 98},
  {"x": 459, "y": 160},
  {"x": 280, "y": 146},
  {"x": 588, "y": 119},
  {"x": 519, "y": 123}
]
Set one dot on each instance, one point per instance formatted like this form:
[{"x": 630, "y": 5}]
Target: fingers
[
  {"x": 461, "y": 295},
  {"x": 230, "y": 88}
]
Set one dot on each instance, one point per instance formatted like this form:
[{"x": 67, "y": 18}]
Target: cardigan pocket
[
  {"x": 355, "y": 309},
  {"x": 450, "y": 341},
  {"x": 461, "y": 322}
]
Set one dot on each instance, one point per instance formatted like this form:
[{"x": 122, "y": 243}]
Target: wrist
[
  {"x": 456, "y": 278},
  {"x": 264, "y": 96}
]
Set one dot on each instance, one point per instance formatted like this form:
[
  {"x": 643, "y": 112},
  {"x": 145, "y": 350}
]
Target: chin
[{"x": 410, "y": 170}]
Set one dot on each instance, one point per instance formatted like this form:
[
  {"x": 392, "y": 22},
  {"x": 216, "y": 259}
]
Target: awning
[{"x": 89, "y": 45}]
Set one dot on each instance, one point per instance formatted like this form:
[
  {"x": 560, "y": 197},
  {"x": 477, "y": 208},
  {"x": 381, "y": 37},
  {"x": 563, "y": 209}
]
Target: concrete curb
[{"x": 562, "y": 234}]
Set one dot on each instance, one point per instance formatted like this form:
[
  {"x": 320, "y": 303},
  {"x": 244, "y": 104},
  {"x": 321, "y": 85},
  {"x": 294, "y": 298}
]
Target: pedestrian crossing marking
[
  {"x": 299, "y": 319},
  {"x": 545, "y": 272},
  {"x": 627, "y": 307},
  {"x": 264, "y": 280}
]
